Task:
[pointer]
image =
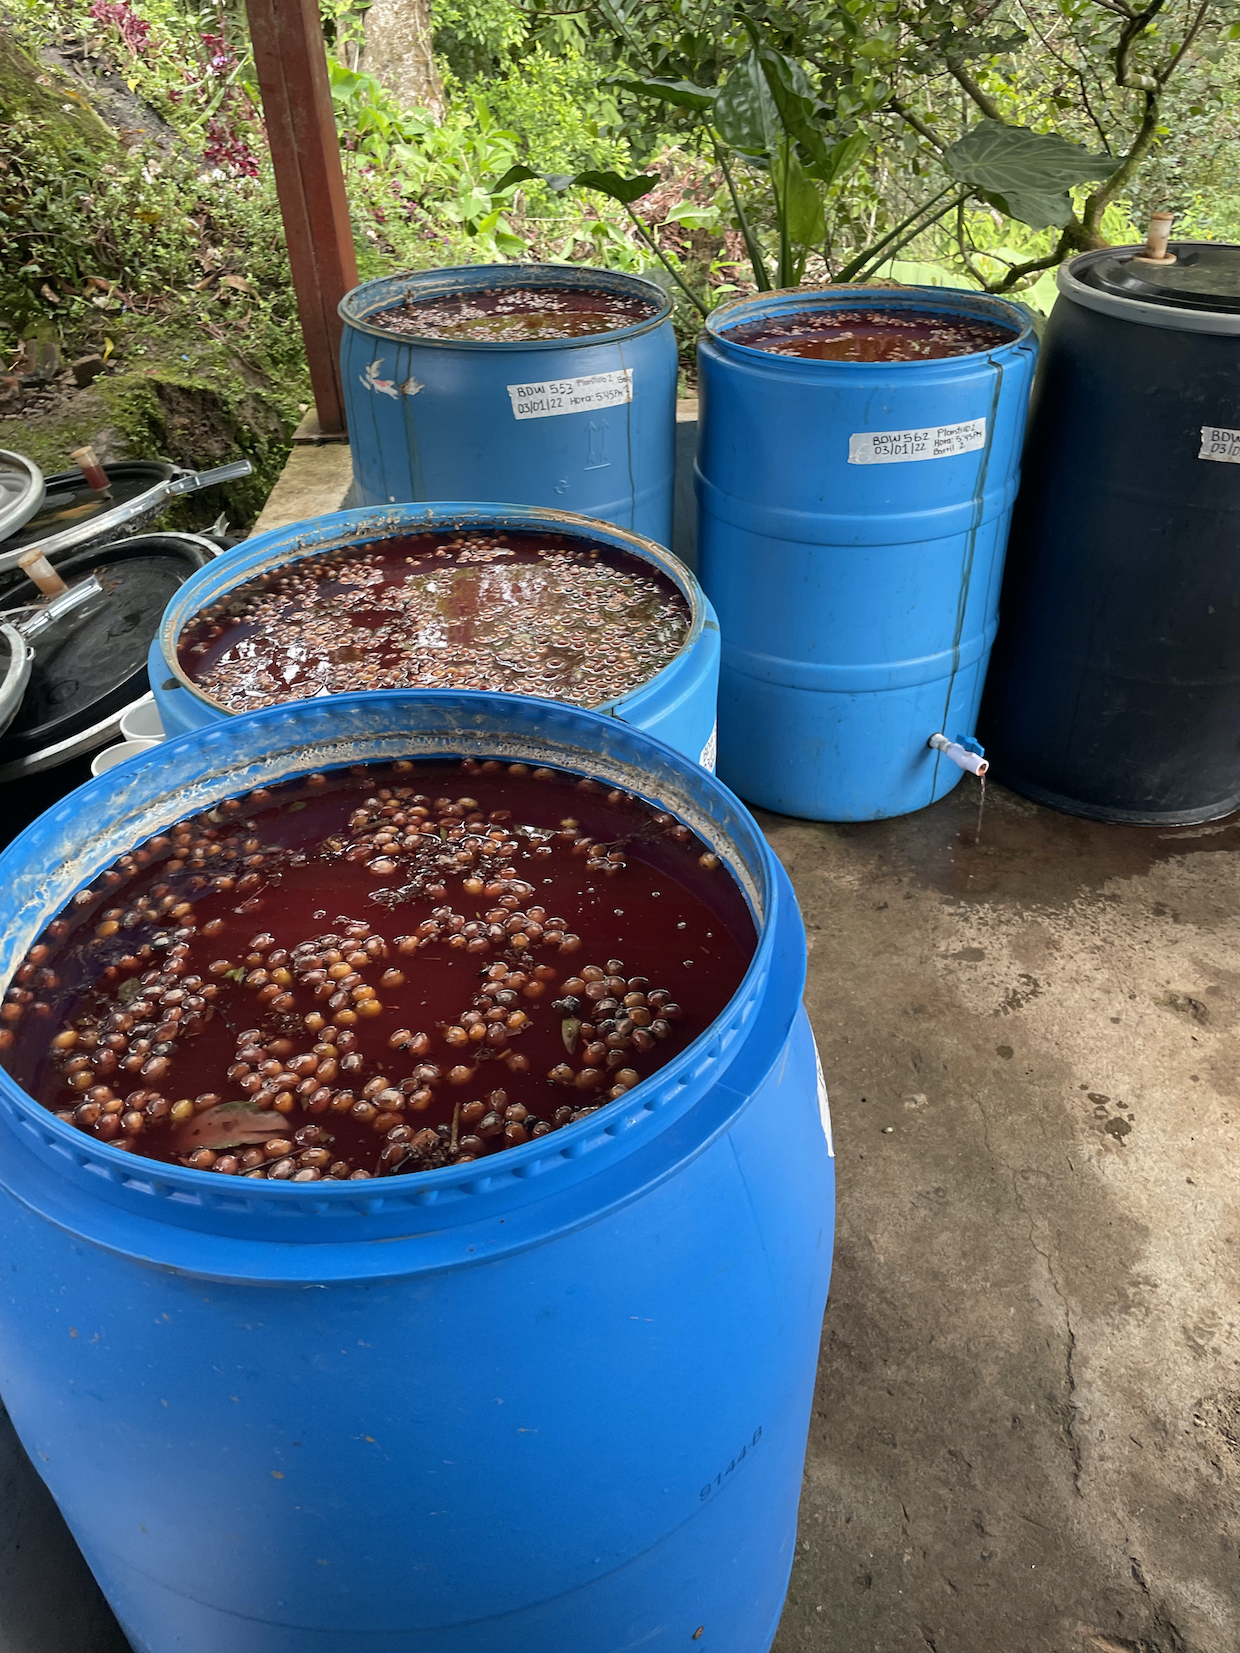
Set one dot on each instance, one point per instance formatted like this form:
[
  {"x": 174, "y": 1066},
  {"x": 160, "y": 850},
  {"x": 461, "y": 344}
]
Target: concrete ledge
[
  {"x": 314, "y": 482},
  {"x": 318, "y": 479}
]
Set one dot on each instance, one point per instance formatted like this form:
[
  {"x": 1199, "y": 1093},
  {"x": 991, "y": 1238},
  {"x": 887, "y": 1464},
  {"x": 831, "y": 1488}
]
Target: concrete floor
[{"x": 1027, "y": 1431}]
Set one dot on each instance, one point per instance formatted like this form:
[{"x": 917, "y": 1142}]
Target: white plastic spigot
[{"x": 960, "y": 754}]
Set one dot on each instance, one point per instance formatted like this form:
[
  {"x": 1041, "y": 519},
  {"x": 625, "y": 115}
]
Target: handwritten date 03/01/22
[{"x": 712, "y": 1486}]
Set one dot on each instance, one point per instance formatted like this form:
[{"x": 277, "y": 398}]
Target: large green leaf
[
  {"x": 624, "y": 190},
  {"x": 840, "y": 159},
  {"x": 745, "y": 112},
  {"x": 515, "y": 175},
  {"x": 799, "y": 200},
  {"x": 682, "y": 93},
  {"x": 1025, "y": 174},
  {"x": 795, "y": 102},
  {"x": 1014, "y": 160},
  {"x": 1040, "y": 209}
]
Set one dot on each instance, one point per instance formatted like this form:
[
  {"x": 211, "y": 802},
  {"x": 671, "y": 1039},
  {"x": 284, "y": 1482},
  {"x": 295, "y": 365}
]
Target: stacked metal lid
[{"x": 73, "y": 646}]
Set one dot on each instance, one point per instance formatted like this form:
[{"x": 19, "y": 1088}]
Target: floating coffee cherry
[
  {"x": 870, "y": 335},
  {"x": 514, "y": 315},
  {"x": 300, "y": 1052},
  {"x": 535, "y": 614}
]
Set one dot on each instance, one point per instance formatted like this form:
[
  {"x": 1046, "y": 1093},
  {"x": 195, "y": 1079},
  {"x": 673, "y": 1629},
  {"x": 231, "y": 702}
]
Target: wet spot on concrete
[
  {"x": 1016, "y": 998},
  {"x": 1187, "y": 1006}
]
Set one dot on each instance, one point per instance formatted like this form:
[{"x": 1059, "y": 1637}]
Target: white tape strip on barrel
[{"x": 824, "y": 1107}]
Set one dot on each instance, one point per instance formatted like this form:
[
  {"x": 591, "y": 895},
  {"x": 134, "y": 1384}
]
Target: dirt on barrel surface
[
  {"x": 378, "y": 970},
  {"x": 515, "y": 315},
  {"x": 520, "y": 613},
  {"x": 870, "y": 335}
]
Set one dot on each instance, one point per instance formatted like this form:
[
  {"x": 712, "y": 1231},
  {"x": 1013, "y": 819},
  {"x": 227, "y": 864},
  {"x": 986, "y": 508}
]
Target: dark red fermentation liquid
[
  {"x": 830, "y": 335},
  {"x": 515, "y": 315},
  {"x": 375, "y": 971},
  {"x": 537, "y": 614}
]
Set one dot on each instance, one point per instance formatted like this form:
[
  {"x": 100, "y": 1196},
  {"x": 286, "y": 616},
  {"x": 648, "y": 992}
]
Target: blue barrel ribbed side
[
  {"x": 678, "y": 704},
  {"x": 584, "y": 424},
  {"x": 557, "y": 1400},
  {"x": 852, "y": 522}
]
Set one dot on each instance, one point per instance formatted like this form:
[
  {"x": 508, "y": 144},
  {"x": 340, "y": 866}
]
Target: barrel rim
[
  {"x": 389, "y": 522},
  {"x": 962, "y": 300},
  {"x": 464, "y": 276},
  {"x": 1170, "y": 318},
  {"x": 149, "y": 792}
]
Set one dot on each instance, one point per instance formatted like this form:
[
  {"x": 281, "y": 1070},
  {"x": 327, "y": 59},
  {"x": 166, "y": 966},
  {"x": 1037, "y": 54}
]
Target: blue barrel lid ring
[
  {"x": 388, "y": 292},
  {"x": 83, "y": 835}
]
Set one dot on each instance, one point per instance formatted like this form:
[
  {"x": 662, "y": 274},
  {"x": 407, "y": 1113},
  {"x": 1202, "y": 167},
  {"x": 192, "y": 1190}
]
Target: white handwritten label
[
  {"x": 1221, "y": 444},
  {"x": 824, "y": 1107},
  {"x": 707, "y": 759},
  {"x": 582, "y": 395},
  {"x": 894, "y": 447}
]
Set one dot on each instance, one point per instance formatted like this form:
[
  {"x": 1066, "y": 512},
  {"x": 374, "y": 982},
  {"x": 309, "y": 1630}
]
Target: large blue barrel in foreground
[
  {"x": 581, "y": 424},
  {"x": 1115, "y": 692},
  {"x": 852, "y": 519},
  {"x": 549, "y": 1402},
  {"x": 677, "y": 704}
]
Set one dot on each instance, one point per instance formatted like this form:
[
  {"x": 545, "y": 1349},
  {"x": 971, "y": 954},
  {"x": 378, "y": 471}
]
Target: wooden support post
[{"x": 291, "y": 61}]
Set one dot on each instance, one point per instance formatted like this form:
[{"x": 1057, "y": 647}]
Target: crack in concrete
[
  {"x": 1164, "y": 1625},
  {"x": 1070, "y": 1408}
]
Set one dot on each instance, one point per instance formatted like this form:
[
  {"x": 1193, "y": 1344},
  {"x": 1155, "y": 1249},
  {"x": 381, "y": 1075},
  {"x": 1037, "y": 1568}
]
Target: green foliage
[
  {"x": 439, "y": 180},
  {"x": 478, "y": 38},
  {"x": 921, "y": 107},
  {"x": 99, "y": 235},
  {"x": 564, "y": 119},
  {"x": 1026, "y": 175},
  {"x": 781, "y": 141}
]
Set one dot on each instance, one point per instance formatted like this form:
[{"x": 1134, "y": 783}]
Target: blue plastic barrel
[
  {"x": 585, "y": 424},
  {"x": 852, "y": 520},
  {"x": 555, "y": 1401},
  {"x": 677, "y": 704}
]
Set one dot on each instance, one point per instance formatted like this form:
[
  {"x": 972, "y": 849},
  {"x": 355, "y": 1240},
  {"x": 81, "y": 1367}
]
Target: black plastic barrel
[{"x": 1114, "y": 687}]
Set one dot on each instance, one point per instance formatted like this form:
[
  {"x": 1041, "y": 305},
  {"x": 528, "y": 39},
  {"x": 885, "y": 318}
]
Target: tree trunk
[{"x": 398, "y": 53}]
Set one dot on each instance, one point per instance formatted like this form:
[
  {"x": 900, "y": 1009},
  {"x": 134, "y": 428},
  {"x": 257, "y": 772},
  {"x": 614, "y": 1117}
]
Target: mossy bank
[{"x": 117, "y": 244}]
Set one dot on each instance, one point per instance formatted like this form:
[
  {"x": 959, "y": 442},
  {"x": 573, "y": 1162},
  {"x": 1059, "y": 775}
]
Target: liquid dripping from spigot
[{"x": 981, "y": 805}]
